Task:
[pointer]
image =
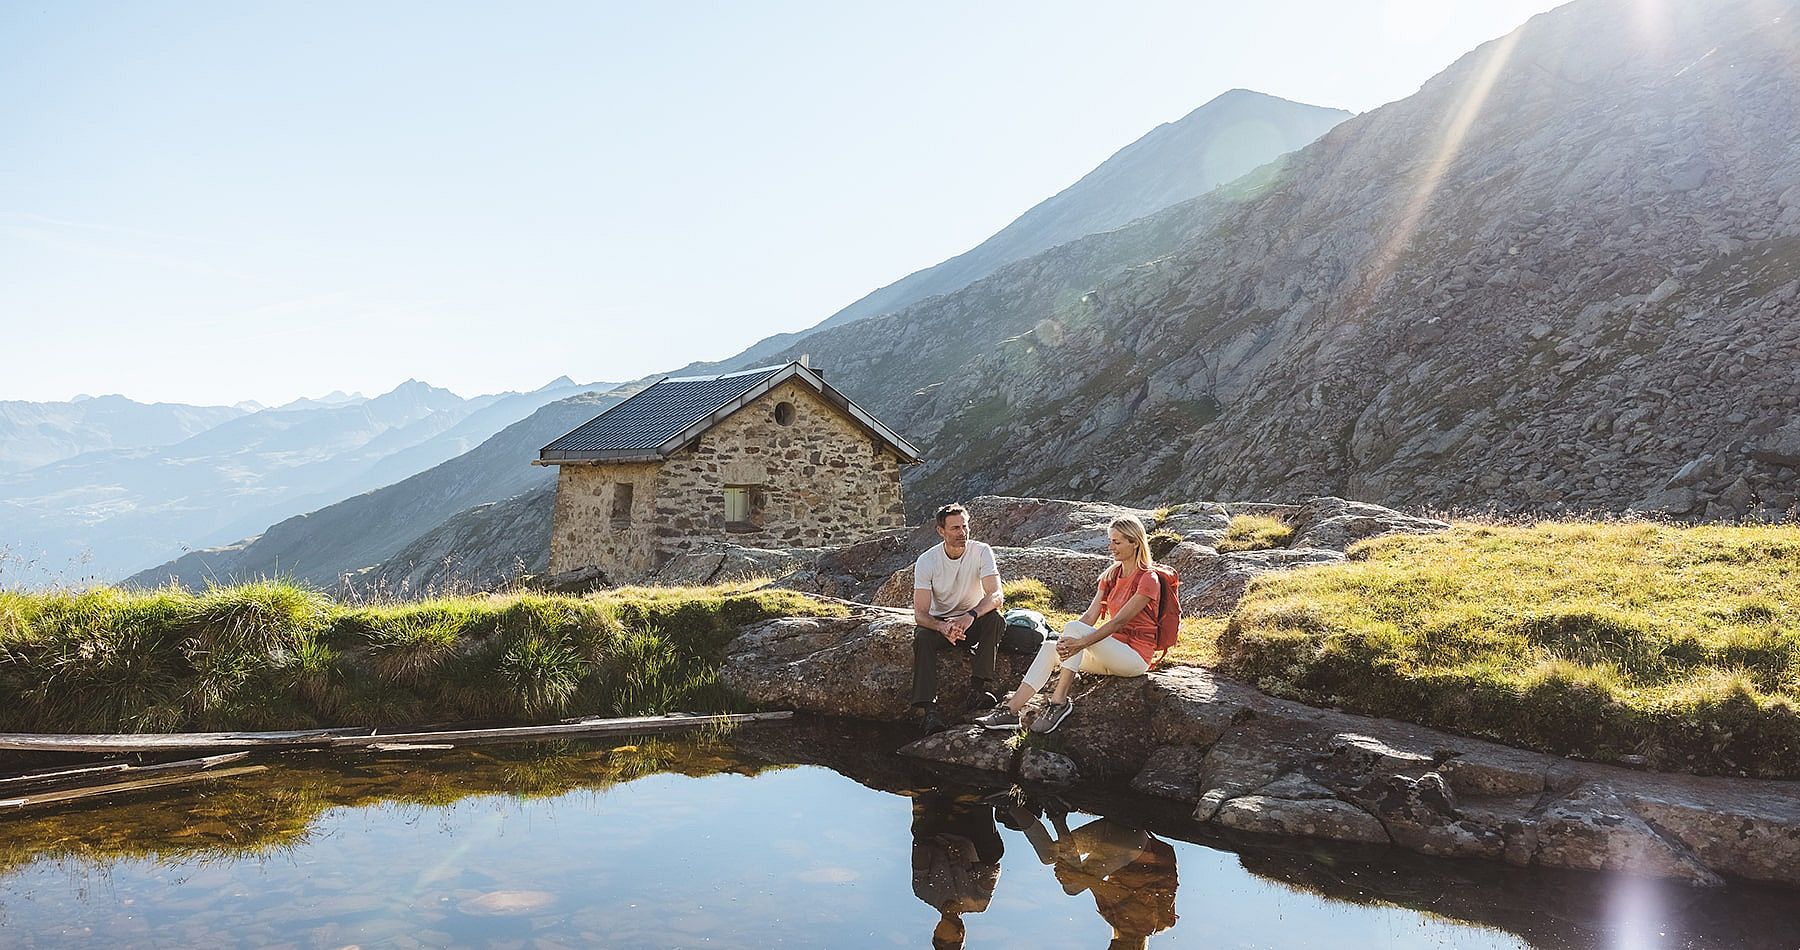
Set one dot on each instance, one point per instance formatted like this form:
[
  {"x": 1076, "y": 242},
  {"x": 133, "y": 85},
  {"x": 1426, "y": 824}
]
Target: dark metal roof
[
  {"x": 673, "y": 412},
  {"x": 644, "y": 422}
]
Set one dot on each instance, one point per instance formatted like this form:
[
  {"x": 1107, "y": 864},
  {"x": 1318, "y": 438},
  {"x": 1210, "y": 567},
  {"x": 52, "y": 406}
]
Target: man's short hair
[{"x": 954, "y": 508}]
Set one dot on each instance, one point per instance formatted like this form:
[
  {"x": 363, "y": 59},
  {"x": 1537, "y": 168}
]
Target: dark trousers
[{"x": 983, "y": 637}]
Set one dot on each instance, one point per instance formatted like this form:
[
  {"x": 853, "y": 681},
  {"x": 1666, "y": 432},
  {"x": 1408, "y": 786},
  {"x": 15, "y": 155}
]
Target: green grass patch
[
  {"x": 1254, "y": 533},
  {"x": 1681, "y": 645},
  {"x": 275, "y": 655},
  {"x": 1028, "y": 592}
]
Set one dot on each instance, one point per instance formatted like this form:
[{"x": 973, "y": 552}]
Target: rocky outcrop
[
  {"x": 1252, "y": 763},
  {"x": 1335, "y": 524},
  {"x": 1063, "y": 544},
  {"x": 728, "y": 563},
  {"x": 1070, "y": 575}
]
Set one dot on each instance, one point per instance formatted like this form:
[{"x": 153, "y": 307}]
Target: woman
[{"x": 1128, "y": 595}]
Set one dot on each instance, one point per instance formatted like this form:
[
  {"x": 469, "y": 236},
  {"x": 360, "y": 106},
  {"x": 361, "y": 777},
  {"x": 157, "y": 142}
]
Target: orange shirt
[{"x": 1140, "y": 632}]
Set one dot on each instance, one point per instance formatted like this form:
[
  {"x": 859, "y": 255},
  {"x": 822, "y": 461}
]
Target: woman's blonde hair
[{"x": 1135, "y": 532}]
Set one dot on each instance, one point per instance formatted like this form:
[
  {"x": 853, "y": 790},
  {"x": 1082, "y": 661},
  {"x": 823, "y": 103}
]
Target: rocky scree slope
[{"x": 1564, "y": 275}]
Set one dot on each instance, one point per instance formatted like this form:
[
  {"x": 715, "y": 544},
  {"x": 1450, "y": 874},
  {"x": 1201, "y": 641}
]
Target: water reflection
[
  {"x": 956, "y": 850},
  {"x": 1129, "y": 871},
  {"x": 743, "y": 841}
]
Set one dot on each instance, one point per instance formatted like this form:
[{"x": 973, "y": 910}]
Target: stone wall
[
  {"x": 584, "y": 532},
  {"x": 821, "y": 479},
  {"x": 814, "y": 479}
]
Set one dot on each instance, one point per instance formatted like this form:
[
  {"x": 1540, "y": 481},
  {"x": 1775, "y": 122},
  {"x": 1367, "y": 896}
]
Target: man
[{"x": 956, "y": 602}]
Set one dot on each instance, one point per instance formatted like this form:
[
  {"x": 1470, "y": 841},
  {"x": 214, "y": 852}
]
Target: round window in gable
[{"x": 784, "y": 413}]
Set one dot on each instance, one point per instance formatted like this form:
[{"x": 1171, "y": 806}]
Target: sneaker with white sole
[
  {"x": 1052, "y": 716},
  {"x": 1000, "y": 719}
]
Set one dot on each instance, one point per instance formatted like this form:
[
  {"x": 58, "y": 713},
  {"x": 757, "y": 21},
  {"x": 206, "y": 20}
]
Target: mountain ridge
[{"x": 1223, "y": 139}]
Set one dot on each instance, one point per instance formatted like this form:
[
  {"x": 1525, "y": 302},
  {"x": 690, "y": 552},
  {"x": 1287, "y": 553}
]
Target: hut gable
[{"x": 773, "y": 457}]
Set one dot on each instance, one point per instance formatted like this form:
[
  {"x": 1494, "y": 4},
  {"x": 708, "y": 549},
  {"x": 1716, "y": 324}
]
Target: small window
[
  {"x": 621, "y": 504},
  {"x": 784, "y": 413},
  {"x": 744, "y": 507},
  {"x": 737, "y": 504}
]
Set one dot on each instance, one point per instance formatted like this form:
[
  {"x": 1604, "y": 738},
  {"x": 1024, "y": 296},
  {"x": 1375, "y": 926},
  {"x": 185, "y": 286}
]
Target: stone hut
[{"x": 772, "y": 457}]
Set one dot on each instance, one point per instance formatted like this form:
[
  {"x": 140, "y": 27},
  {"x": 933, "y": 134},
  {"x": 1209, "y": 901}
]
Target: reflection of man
[
  {"x": 956, "y": 602},
  {"x": 1130, "y": 872},
  {"x": 955, "y": 859}
]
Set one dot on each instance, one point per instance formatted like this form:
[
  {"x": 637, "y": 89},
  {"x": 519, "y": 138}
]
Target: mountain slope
[
  {"x": 1563, "y": 275},
  {"x": 1218, "y": 142},
  {"x": 479, "y": 548},
  {"x": 321, "y": 546}
]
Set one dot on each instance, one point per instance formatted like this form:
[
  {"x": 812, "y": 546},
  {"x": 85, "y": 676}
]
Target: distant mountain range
[
  {"x": 369, "y": 528},
  {"x": 38, "y": 433},
  {"x": 223, "y": 474}
]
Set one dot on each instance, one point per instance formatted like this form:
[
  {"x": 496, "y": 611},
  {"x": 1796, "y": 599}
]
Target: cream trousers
[{"x": 1110, "y": 657}]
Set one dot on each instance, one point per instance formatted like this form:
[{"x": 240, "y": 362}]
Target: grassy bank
[
  {"x": 1680, "y": 645},
  {"x": 273, "y": 655}
]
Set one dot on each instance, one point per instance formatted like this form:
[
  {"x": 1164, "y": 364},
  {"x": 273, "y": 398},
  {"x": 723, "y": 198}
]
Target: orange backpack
[{"x": 1168, "y": 606}]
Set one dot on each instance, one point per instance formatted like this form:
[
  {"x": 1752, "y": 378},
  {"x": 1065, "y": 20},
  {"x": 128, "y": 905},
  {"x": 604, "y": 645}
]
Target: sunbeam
[{"x": 1451, "y": 144}]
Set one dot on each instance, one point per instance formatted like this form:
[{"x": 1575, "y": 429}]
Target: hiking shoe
[
  {"x": 1052, "y": 716},
  {"x": 931, "y": 721},
  {"x": 1000, "y": 719},
  {"x": 980, "y": 701}
]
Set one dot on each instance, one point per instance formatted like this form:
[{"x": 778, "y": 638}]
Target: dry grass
[{"x": 1254, "y": 533}]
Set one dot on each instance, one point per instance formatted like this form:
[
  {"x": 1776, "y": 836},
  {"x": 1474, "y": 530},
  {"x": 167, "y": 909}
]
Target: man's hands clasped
[{"x": 956, "y": 629}]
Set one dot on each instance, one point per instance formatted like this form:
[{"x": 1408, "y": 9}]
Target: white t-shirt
[{"x": 955, "y": 583}]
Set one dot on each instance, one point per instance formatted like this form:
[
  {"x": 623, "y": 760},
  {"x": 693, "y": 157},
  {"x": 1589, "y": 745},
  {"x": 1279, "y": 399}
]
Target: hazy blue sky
[{"x": 208, "y": 202}]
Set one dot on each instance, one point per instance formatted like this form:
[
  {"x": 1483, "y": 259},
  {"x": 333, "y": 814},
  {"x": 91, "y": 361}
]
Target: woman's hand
[{"x": 1067, "y": 647}]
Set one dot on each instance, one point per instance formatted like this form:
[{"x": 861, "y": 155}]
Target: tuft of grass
[
  {"x": 1163, "y": 541},
  {"x": 1254, "y": 533},
  {"x": 1028, "y": 592},
  {"x": 1678, "y": 644},
  {"x": 274, "y": 654}
]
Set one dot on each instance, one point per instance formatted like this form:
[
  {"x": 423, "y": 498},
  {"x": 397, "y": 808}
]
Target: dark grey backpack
[{"x": 1026, "y": 631}]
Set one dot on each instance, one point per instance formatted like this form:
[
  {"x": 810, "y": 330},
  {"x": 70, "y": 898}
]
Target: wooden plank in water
[
  {"x": 114, "y": 788},
  {"x": 111, "y": 772},
  {"x": 315, "y": 738},
  {"x": 153, "y": 742},
  {"x": 585, "y": 727},
  {"x": 61, "y": 776}
]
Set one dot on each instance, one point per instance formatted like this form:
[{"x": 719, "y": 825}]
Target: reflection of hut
[{"x": 772, "y": 457}]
